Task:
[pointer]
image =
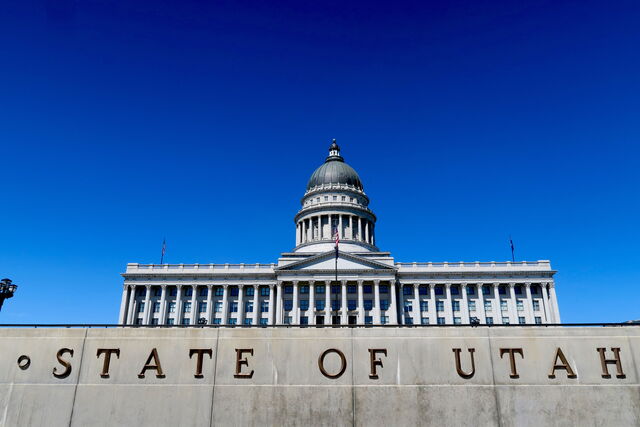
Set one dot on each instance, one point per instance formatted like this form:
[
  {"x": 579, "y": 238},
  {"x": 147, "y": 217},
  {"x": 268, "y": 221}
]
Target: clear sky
[{"x": 126, "y": 122}]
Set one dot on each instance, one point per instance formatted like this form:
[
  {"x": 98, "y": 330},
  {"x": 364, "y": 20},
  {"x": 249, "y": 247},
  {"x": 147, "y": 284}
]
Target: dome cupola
[
  {"x": 335, "y": 202},
  {"x": 334, "y": 171}
]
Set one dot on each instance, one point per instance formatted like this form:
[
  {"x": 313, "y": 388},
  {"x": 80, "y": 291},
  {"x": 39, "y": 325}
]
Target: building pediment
[{"x": 327, "y": 262}]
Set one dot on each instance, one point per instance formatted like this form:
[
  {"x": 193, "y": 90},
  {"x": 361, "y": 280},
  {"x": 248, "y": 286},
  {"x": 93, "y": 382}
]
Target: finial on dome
[{"x": 334, "y": 149}]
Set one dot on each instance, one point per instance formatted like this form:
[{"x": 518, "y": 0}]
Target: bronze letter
[
  {"x": 604, "y": 362},
  {"x": 343, "y": 363},
  {"x": 242, "y": 362},
  {"x": 67, "y": 365},
  {"x": 459, "y": 367},
  {"x": 156, "y": 366},
  {"x": 375, "y": 362},
  {"x": 200, "y": 352},
  {"x": 107, "y": 359},
  {"x": 512, "y": 359},
  {"x": 564, "y": 365}
]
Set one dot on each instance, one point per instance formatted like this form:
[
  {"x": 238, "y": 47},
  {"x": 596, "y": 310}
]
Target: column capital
[
  {"x": 512, "y": 284},
  {"x": 295, "y": 282},
  {"x": 279, "y": 283},
  {"x": 327, "y": 282},
  {"x": 376, "y": 282},
  {"x": 527, "y": 284},
  {"x": 241, "y": 285},
  {"x": 147, "y": 286},
  {"x": 343, "y": 282},
  {"x": 360, "y": 282},
  {"x": 448, "y": 285},
  {"x": 272, "y": 285}
]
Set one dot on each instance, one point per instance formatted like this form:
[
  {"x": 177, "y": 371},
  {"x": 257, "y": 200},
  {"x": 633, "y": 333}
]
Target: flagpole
[
  {"x": 164, "y": 247},
  {"x": 513, "y": 258}
]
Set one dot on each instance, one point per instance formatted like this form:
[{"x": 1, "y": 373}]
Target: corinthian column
[
  {"x": 360, "y": 303},
  {"x": 393, "y": 309}
]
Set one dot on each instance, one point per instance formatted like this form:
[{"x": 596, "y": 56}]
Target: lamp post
[{"x": 7, "y": 289}]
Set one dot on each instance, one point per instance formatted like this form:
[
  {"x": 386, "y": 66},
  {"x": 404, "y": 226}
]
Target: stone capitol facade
[{"x": 371, "y": 287}]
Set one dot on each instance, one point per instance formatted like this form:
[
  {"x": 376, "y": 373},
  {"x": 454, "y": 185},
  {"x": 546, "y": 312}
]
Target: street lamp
[{"x": 7, "y": 289}]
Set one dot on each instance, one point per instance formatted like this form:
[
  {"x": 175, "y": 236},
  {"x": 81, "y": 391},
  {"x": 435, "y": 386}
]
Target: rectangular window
[
  {"x": 186, "y": 321},
  {"x": 187, "y": 307},
  {"x": 368, "y": 320},
  {"x": 407, "y": 290},
  {"x": 171, "y": 321},
  {"x": 352, "y": 304},
  {"x": 472, "y": 306},
  {"x": 384, "y": 289},
  {"x": 172, "y": 307},
  {"x": 264, "y": 306},
  {"x": 248, "y": 321},
  {"x": 156, "y": 307},
  {"x": 408, "y": 306},
  {"x": 141, "y": 307},
  {"x": 233, "y": 321},
  {"x": 304, "y": 289},
  {"x": 439, "y": 290},
  {"x": 455, "y": 290},
  {"x": 304, "y": 304},
  {"x": 536, "y": 305},
  {"x": 141, "y": 292},
  {"x": 319, "y": 289},
  {"x": 423, "y": 290},
  {"x": 384, "y": 304},
  {"x": 335, "y": 289},
  {"x": 217, "y": 321},
  {"x": 202, "y": 307},
  {"x": 384, "y": 320},
  {"x": 320, "y": 304},
  {"x": 521, "y": 320},
  {"x": 173, "y": 291},
  {"x": 351, "y": 289},
  {"x": 441, "y": 321},
  {"x": 219, "y": 291},
  {"x": 489, "y": 320},
  {"x": 424, "y": 320},
  {"x": 139, "y": 321},
  {"x": 288, "y": 304},
  {"x": 248, "y": 307},
  {"x": 455, "y": 304},
  {"x": 368, "y": 304},
  {"x": 335, "y": 304},
  {"x": 233, "y": 307},
  {"x": 505, "y": 320},
  {"x": 439, "y": 305},
  {"x": 250, "y": 291},
  {"x": 457, "y": 321},
  {"x": 154, "y": 321},
  {"x": 538, "y": 320},
  {"x": 287, "y": 320},
  {"x": 304, "y": 320},
  {"x": 204, "y": 292},
  {"x": 288, "y": 289},
  {"x": 234, "y": 291},
  {"x": 158, "y": 292},
  {"x": 471, "y": 290},
  {"x": 367, "y": 289},
  {"x": 486, "y": 289},
  {"x": 502, "y": 290},
  {"x": 264, "y": 291},
  {"x": 264, "y": 322},
  {"x": 518, "y": 290},
  {"x": 218, "y": 307},
  {"x": 424, "y": 305},
  {"x": 188, "y": 292},
  {"x": 487, "y": 306},
  {"x": 408, "y": 321},
  {"x": 504, "y": 305}
]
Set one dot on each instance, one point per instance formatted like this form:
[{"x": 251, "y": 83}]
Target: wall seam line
[
  {"x": 75, "y": 390},
  {"x": 215, "y": 372}
]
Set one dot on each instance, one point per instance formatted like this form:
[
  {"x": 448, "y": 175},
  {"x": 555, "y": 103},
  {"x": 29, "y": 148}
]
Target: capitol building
[{"x": 358, "y": 284}]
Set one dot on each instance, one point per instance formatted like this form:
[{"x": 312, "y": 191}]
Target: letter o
[{"x": 343, "y": 363}]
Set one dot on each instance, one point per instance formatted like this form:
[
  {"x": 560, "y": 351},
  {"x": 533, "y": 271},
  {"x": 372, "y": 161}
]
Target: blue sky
[{"x": 122, "y": 123}]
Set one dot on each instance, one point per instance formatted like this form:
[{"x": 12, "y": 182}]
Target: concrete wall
[{"x": 418, "y": 383}]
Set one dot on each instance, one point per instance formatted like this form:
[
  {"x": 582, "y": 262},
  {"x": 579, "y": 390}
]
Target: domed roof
[{"x": 334, "y": 171}]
